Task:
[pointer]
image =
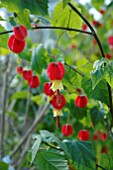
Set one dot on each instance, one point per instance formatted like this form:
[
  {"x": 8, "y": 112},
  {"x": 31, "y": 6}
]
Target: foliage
[{"x": 24, "y": 111}]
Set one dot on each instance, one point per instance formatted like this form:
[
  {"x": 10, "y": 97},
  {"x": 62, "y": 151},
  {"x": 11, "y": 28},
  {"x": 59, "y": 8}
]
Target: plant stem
[
  {"x": 90, "y": 26},
  {"x": 75, "y": 69},
  {"x": 101, "y": 50},
  {"x": 30, "y": 130},
  {"x": 54, "y": 28}
]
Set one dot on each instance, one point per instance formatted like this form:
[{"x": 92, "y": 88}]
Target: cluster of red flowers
[
  {"x": 16, "y": 41},
  {"x": 33, "y": 80}
]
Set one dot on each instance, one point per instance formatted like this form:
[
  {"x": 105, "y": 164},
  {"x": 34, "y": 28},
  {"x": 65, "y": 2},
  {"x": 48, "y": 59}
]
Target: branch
[
  {"x": 75, "y": 69},
  {"x": 54, "y": 28},
  {"x": 90, "y": 26},
  {"x": 30, "y": 130},
  {"x": 101, "y": 50}
]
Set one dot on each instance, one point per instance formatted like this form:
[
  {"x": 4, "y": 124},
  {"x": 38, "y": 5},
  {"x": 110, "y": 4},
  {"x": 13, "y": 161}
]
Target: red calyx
[
  {"x": 81, "y": 101},
  {"x": 47, "y": 89},
  {"x": 67, "y": 130},
  {"x": 58, "y": 101},
  {"x": 83, "y": 134},
  {"x": 15, "y": 45},
  {"x": 79, "y": 90},
  {"x": 95, "y": 136},
  {"x": 96, "y": 23},
  {"x": 102, "y": 11},
  {"x": 108, "y": 56},
  {"x": 84, "y": 27},
  {"x": 103, "y": 136},
  {"x": 110, "y": 40},
  {"x": 33, "y": 81},
  {"x": 55, "y": 71},
  {"x": 20, "y": 32},
  {"x": 73, "y": 46},
  {"x": 27, "y": 74},
  {"x": 19, "y": 70},
  {"x": 104, "y": 150}
]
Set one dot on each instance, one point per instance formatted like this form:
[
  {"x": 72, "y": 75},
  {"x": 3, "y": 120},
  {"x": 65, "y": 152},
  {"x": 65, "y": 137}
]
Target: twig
[
  {"x": 108, "y": 126},
  {"x": 54, "y": 28},
  {"x": 30, "y": 130},
  {"x": 98, "y": 166},
  {"x": 75, "y": 69},
  {"x": 4, "y": 100}
]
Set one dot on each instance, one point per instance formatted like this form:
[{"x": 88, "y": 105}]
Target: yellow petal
[
  {"x": 57, "y": 112},
  {"x": 56, "y": 84}
]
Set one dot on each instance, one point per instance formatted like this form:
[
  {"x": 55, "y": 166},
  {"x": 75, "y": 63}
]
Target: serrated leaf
[
  {"x": 97, "y": 115},
  {"x": 99, "y": 63},
  {"x": 109, "y": 73},
  {"x": 50, "y": 138},
  {"x": 20, "y": 95},
  {"x": 67, "y": 18},
  {"x": 39, "y": 58},
  {"x": 35, "y": 147},
  {"x": 65, "y": 2},
  {"x": 3, "y": 166},
  {"x": 35, "y": 6},
  {"x": 99, "y": 93},
  {"x": 96, "y": 76},
  {"x": 81, "y": 153},
  {"x": 51, "y": 160}
]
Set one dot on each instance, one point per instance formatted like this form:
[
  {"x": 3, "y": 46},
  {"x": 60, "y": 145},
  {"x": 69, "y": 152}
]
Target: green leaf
[
  {"x": 99, "y": 93},
  {"x": 65, "y": 2},
  {"x": 20, "y": 95},
  {"x": 100, "y": 63},
  {"x": 96, "y": 76},
  {"x": 97, "y": 115},
  {"x": 3, "y": 166},
  {"x": 81, "y": 153},
  {"x": 51, "y": 160},
  {"x": 50, "y": 138},
  {"x": 12, "y": 114},
  {"x": 98, "y": 4},
  {"x": 35, "y": 6},
  {"x": 67, "y": 18},
  {"x": 24, "y": 18},
  {"x": 109, "y": 73},
  {"x": 39, "y": 58},
  {"x": 35, "y": 147},
  {"x": 3, "y": 42}
]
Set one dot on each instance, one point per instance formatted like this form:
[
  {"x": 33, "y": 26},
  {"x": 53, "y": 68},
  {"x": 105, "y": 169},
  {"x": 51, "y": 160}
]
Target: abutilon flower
[
  {"x": 56, "y": 72},
  {"x": 58, "y": 102}
]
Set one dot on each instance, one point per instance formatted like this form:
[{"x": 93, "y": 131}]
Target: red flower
[
  {"x": 16, "y": 45},
  {"x": 81, "y": 101},
  {"x": 56, "y": 71},
  {"x": 47, "y": 89},
  {"x": 20, "y": 32},
  {"x": 27, "y": 74},
  {"x": 110, "y": 40},
  {"x": 33, "y": 81},
  {"x": 84, "y": 27},
  {"x": 67, "y": 129},
  {"x": 58, "y": 101},
  {"x": 83, "y": 134},
  {"x": 108, "y": 56},
  {"x": 19, "y": 70}
]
